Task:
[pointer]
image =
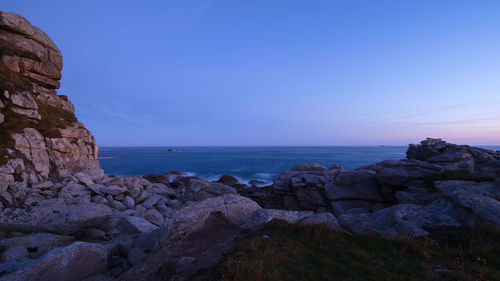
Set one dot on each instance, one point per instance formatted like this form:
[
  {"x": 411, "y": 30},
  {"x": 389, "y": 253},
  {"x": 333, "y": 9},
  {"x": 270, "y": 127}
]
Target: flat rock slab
[
  {"x": 38, "y": 241},
  {"x": 261, "y": 217},
  {"x": 137, "y": 225},
  {"x": 74, "y": 262},
  {"x": 60, "y": 217},
  {"x": 399, "y": 221},
  {"x": 399, "y": 172}
]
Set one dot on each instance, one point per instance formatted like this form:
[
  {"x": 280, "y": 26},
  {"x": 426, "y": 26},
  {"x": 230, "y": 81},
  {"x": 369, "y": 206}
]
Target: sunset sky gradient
[{"x": 264, "y": 72}]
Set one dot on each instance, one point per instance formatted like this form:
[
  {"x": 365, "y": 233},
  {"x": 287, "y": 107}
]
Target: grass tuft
[{"x": 52, "y": 117}]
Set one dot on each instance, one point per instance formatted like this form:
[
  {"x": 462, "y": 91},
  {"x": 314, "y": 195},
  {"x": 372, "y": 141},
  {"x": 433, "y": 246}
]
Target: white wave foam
[
  {"x": 214, "y": 178},
  {"x": 264, "y": 175},
  {"x": 188, "y": 174}
]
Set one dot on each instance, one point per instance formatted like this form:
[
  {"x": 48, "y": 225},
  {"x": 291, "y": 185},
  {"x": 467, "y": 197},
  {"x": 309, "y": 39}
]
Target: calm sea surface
[{"x": 245, "y": 163}]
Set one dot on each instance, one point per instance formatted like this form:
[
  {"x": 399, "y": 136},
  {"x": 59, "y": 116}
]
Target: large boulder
[
  {"x": 482, "y": 198},
  {"x": 199, "y": 189},
  {"x": 74, "y": 262},
  {"x": 236, "y": 208},
  {"x": 228, "y": 180}
]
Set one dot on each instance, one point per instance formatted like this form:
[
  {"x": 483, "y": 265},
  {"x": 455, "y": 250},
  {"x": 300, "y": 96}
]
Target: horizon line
[{"x": 174, "y": 146}]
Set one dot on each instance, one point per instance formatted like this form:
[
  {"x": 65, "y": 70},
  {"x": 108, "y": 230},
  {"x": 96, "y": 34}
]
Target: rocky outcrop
[
  {"x": 40, "y": 137},
  {"x": 439, "y": 185},
  {"x": 315, "y": 188},
  {"x": 456, "y": 157}
]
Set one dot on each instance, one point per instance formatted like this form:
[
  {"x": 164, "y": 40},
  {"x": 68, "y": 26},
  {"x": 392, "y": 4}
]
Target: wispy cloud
[
  {"x": 461, "y": 122},
  {"x": 120, "y": 111},
  {"x": 215, "y": 120},
  {"x": 406, "y": 113}
]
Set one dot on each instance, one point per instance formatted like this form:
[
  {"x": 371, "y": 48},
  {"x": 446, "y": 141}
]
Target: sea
[{"x": 244, "y": 163}]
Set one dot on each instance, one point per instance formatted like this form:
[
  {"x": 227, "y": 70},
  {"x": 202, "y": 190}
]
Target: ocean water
[{"x": 245, "y": 163}]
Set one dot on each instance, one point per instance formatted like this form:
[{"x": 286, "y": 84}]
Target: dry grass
[{"x": 319, "y": 253}]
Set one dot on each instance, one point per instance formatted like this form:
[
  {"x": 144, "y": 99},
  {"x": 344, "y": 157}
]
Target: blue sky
[{"x": 269, "y": 72}]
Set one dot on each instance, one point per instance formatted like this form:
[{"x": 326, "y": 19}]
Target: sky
[{"x": 277, "y": 72}]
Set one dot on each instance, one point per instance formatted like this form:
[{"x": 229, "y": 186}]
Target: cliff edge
[{"x": 40, "y": 137}]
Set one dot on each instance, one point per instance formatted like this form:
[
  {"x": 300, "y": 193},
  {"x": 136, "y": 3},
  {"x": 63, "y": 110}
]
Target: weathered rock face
[{"x": 40, "y": 137}]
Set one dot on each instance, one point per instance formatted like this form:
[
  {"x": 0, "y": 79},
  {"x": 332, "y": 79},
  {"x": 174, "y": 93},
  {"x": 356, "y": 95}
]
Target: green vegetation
[
  {"x": 318, "y": 253},
  {"x": 19, "y": 202},
  {"x": 53, "y": 118}
]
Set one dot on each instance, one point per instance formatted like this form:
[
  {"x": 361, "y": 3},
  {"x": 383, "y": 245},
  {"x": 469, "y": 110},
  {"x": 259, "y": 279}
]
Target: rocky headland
[{"x": 61, "y": 218}]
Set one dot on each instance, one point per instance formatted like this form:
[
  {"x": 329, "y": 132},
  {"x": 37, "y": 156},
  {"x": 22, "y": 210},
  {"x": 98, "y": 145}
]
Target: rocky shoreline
[
  {"x": 123, "y": 227},
  {"x": 61, "y": 218}
]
